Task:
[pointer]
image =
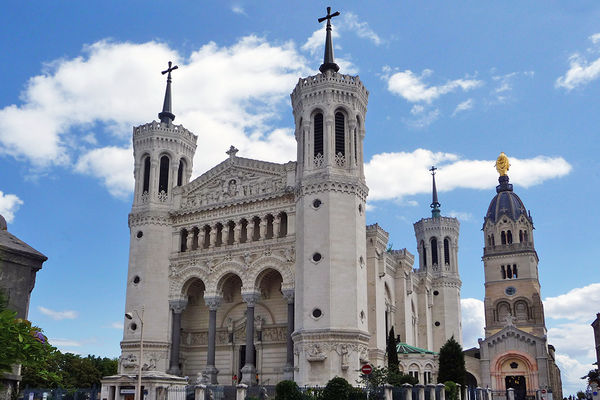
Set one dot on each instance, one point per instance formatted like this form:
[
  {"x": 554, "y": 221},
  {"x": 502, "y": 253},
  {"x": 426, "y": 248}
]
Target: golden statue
[{"x": 502, "y": 164}]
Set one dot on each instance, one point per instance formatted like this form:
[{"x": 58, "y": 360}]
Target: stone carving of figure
[
  {"x": 315, "y": 353},
  {"x": 343, "y": 352},
  {"x": 232, "y": 188}
]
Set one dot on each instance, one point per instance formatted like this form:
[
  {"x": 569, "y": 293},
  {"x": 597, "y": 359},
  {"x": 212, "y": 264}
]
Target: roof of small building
[
  {"x": 9, "y": 242},
  {"x": 403, "y": 348}
]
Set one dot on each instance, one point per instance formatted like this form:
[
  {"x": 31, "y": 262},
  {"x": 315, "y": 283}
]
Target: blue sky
[{"x": 451, "y": 84}]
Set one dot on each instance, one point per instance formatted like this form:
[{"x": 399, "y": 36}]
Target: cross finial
[
  {"x": 231, "y": 152},
  {"x": 328, "y": 62},
  {"x": 168, "y": 70},
  {"x": 167, "y": 116},
  {"x": 435, "y": 204}
]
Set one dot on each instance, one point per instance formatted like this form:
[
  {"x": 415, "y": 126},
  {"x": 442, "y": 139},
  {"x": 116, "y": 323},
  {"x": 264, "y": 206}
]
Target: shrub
[
  {"x": 287, "y": 390},
  {"x": 337, "y": 389},
  {"x": 451, "y": 390}
]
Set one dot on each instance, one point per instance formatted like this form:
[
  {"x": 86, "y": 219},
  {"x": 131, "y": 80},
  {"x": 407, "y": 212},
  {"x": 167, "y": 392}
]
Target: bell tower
[
  {"x": 437, "y": 243},
  {"x": 163, "y": 154},
  {"x": 331, "y": 328},
  {"x": 510, "y": 262}
]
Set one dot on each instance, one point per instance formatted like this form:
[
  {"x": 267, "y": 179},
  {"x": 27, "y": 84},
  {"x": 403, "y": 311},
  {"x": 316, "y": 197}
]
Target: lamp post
[{"x": 138, "y": 389}]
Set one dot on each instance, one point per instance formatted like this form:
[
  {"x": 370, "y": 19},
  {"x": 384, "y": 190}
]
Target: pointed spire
[
  {"x": 328, "y": 62},
  {"x": 435, "y": 204},
  {"x": 167, "y": 116}
]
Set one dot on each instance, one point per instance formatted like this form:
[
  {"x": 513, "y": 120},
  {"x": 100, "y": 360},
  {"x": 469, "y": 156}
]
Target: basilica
[{"x": 256, "y": 272}]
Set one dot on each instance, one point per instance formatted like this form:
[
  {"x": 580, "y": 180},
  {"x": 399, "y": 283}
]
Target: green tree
[
  {"x": 452, "y": 363},
  {"x": 287, "y": 390},
  {"x": 21, "y": 342},
  {"x": 592, "y": 376},
  {"x": 392, "y": 352}
]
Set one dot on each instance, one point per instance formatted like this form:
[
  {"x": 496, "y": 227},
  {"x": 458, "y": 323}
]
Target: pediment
[
  {"x": 511, "y": 332},
  {"x": 237, "y": 179}
]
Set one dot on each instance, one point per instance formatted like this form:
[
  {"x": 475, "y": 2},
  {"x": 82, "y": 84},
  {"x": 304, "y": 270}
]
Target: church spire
[
  {"x": 328, "y": 62},
  {"x": 167, "y": 116},
  {"x": 435, "y": 204}
]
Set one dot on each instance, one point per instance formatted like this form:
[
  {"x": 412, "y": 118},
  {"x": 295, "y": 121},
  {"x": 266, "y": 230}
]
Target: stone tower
[
  {"x": 163, "y": 154},
  {"x": 437, "y": 242},
  {"x": 512, "y": 287},
  {"x": 331, "y": 328}
]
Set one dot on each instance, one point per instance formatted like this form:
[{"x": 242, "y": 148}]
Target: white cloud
[
  {"x": 453, "y": 172},
  {"x": 79, "y": 112},
  {"x": 117, "y": 325},
  {"x": 461, "y": 215},
  {"x": 237, "y": 9},
  {"x": 9, "y": 204},
  {"x": 64, "y": 343},
  {"x": 464, "y": 106},
  {"x": 113, "y": 165},
  {"x": 58, "y": 315},
  {"x": 473, "y": 321},
  {"x": 362, "y": 29},
  {"x": 414, "y": 89},
  {"x": 577, "y": 304},
  {"x": 316, "y": 42},
  {"x": 581, "y": 71}
]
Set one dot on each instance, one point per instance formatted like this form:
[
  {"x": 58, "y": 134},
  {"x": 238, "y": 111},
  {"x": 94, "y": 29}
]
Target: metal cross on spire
[
  {"x": 328, "y": 62},
  {"x": 167, "y": 116},
  {"x": 435, "y": 204}
]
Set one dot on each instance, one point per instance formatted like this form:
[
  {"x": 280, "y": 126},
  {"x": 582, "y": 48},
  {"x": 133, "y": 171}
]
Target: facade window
[
  {"x": 206, "y": 243},
  {"x": 183, "y": 245},
  {"x": 503, "y": 237},
  {"x": 493, "y": 240},
  {"x": 509, "y": 273},
  {"x": 230, "y": 232},
  {"x": 525, "y": 237},
  {"x": 503, "y": 272},
  {"x": 195, "y": 238},
  {"x": 255, "y": 228},
  {"x": 163, "y": 181},
  {"x": 509, "y": 237},
  {"x": 340, "y": 134},
  {"x": 515, "y": 275},
  {"x": 434, "y": 251},
  {"x": 219, "y": 233},
  {"x": 146, "y": 186},
  {"x": 424, "y": 250},
  {"x": 244, "y": 231},
  {"x": 355, "y": 142},
  {"x": 318, "y": 134},
  {"x": 520, "y": 236},
  {"x": 446, "y": 251},
  {"x": 269, "y": 232},
  {"x": 283, "y": 224},
  {"x": 426, "y": 377},
  {"x": 180, "y": 172}
]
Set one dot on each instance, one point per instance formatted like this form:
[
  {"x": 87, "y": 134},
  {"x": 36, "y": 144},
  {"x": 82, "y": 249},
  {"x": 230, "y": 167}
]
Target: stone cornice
[
  {"x": 334, "y": 184},
  {"x": 154, "y": 127}
]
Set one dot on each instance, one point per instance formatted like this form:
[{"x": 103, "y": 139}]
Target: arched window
[
  {"x": 180, "y": 172},
  {"x": 196, "y": 232},
  {"x": 434, "y": 251},
  {"x": 163, "y": 181},
  {"x": 424, "y": 250},
  {"x": 244, "y": 231},
  {"x": 515, "y": 275},
  {"x": 184, "y": 236},
  {"x": 503, "y": 237},
  {"x": 340, "y": 134},
  {"x": 146, "y": 186},
  {"x": 318, "y": 131},
  {"x": 230, "y": 232},
  {"x": 509, "y": 273},
  {"x": 525, "y": 237},
  {"x": 503, "y": 272},
  {"x": 493, "y": 240},
  {"x": 206, "y": 230},
  {"x": 509, "y": 237},
  {"x": 520, "y": 236},
  {"x": 356, "y": 130},
  {"x": 283, "y": 224},
  {"x": 489, "y": 240},
  {"x": 446, "y": 251},
  {"x": 269, "y": 232},
  {"x": 255, "y": 228},
  {"x": 219, "y": 233}
]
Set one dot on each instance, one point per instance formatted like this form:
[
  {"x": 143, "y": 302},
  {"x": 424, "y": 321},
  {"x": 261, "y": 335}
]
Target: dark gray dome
[{"x": 505, "y": 203}]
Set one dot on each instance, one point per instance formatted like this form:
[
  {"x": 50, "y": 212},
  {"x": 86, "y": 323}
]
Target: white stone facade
[{"x": 277, "y": 257}]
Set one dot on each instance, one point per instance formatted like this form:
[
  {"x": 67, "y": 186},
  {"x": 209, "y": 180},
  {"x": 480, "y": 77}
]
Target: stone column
[
  {"x": 153, "y": 186},
  {"x": 240, "y": 393},
  {"x": 407, "y": 389},
  {"x": 328, "y": 140},
  {"x": 200, "y": 392},
  {"x": 249, "y": 370},
  {"x": 213, "y": 235},
  {"x": 263, "y": 228},
  {"x": 211, "y": 370},
  {"x": 177, "y": 306},
  {"x": 421, "y": 391},
  {"x": 479, "y": 393},
  {"x": 237, "y": 232},
  {"x": 441, "y": 386},
  {"x": 459, "y": 391},
  {"x": 431, "y": 388},
  {"x": 288, "y": 370},
  {"x": 190, "y": 239},
  {"x": 387, "y": 390},
  {"x": 276, "y": 224},
  {"x": 510, "y": 394}
]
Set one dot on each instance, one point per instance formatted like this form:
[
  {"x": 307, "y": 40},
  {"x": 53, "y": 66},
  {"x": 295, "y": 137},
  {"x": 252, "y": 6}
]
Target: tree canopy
[{"x": 452, "y": 363}]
